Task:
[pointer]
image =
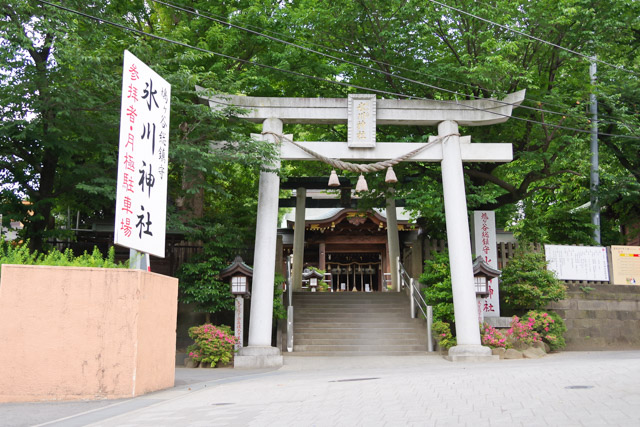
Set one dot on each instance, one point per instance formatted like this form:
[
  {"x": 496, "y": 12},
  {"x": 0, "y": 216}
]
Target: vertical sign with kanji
[
  {"x": 484, "y": 226},
  {"x": 239, "y": 321},
  {"x": 361, "y": 120},
  {"x": 143, "y": 159}
]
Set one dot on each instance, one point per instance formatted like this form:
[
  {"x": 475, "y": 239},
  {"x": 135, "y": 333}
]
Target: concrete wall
[
  {"x": 71, "y": 333},
  {"x": 605, "y": 317}
]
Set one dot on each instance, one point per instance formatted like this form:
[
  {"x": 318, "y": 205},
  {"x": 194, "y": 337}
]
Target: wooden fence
[
  {"x": 177, "y": 250},
  {"x": 506, "y": 251}
]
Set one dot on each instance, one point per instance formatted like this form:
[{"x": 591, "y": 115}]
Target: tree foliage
[
  {"x": 60, "y": 75},
  {"x": 526, "y": 284},
  {"x": 437, "y": 281}
]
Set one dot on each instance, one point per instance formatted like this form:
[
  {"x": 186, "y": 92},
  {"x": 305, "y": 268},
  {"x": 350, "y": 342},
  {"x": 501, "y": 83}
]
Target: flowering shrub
[
  {"x": 213, "y": 344},
  {"x": 492, "y": 337},
  {"x": 521, "y": 331},
  {"x": 550, "y": 326},
  {"x": 442, "y": 334}
]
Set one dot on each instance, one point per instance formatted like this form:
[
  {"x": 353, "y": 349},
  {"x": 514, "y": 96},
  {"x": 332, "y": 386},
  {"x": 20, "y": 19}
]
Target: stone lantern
[
  {"x": 239, "y": 275},
  {"x": 482, "y": 275}
]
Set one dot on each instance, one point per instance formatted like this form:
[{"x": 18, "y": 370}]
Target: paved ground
[{"x": 565, "y": 389}]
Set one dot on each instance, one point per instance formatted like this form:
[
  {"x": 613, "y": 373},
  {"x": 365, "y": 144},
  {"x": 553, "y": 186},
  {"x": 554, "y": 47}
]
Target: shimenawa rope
[{"x": 356, "y": 167}]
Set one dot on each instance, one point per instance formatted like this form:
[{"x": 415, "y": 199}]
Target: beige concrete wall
[{"x": 85, "y": 333}]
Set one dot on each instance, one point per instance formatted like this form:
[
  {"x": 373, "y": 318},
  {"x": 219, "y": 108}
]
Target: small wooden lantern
[
  {"x": 482, "y": 275},
  {"x": 240, "y": 274}
]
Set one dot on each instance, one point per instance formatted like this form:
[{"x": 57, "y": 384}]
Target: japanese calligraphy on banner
[
  {"x": 142, "y": 159},
  {"x": 361, "y": 111},
  {"x": 578, "y": 262},
  {"x": 484, "y": 227}
]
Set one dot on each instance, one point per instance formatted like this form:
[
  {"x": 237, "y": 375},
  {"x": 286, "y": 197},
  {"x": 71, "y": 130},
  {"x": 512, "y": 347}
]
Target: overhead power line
[{"x": 295, "y": 73}]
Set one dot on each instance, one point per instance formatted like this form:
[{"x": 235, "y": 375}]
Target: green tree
[
  {"x": 526, "y": 284},
  {"x": 64, "y": 70},
  {"x": 437, "y": 281},
  {"x": 57, "y": 114}
]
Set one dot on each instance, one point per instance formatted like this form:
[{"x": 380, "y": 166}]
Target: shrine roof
[{"x": 320, "y": 217}]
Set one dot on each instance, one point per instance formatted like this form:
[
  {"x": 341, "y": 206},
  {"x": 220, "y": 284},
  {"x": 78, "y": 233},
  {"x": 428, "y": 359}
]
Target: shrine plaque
[{"x": 361, "y": 120}]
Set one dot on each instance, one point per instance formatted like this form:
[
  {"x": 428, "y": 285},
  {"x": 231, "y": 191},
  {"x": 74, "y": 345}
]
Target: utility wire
[
  {"x": 505, "y": 27},
  {"x": 295, "y": 73},
  {"x": 376, "y": 70}
]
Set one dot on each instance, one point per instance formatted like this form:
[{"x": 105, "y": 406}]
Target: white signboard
[
  {"x": 484, "y": 228},
  {"x": 143, "y": 159},
  {"x": 578, "y": 262}
]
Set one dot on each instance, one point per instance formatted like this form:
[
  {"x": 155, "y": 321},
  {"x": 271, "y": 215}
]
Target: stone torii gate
[{"x": 362, "y": 113}]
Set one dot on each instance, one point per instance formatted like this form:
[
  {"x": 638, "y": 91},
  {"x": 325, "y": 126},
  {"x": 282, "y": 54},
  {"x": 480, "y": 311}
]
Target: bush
[
  {"x": 438, "y": 293},
  {"x": 492, "y": 337},
  {"x": 200, "y": 285},
  {"x": 279, "y": 311},
  {"x": 522, "y": 332},
  {"x": 526, "y": 283},
  {"x": 442, "y": 334},
  {"x": 550, "y": 326},
  {"x": 19, "y": 254},
  {"x": 213, "y": 344}
]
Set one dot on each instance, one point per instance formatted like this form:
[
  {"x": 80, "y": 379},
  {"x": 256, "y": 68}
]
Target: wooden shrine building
[{"x": 351, "y": 246}]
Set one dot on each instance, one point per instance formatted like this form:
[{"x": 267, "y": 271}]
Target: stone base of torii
[{"x": 362, "y": 113}]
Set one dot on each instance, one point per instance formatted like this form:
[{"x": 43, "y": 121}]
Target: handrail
[
  {"x": 416, "y": 298},
  {"x": 289, "y": 308}
]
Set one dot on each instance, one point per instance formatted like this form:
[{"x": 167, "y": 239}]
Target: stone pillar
[
  {"x": 394, "y": 241},
  {"x": 239, "y": 322},
  {"x": 459, "y": 242},
  {"x": 259, "y": 353},
  {"x": 298, "y": 239},
  {"x": 322, "y": 256},
  {"x": 417, "y": 264}
]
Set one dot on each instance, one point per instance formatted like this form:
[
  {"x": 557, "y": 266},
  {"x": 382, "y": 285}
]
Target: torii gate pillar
[
  {"x": 259, "y": 353},
  {"x": 459, "y": 242}
]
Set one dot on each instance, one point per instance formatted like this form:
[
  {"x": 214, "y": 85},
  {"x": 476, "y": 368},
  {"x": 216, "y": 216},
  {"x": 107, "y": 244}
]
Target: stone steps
[
  {"x": 359, "y": 341},
  {"x": 366, "y": 349},
  {"x": 358, "y": 324}
]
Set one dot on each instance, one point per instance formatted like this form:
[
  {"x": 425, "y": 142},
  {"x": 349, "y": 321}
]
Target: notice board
[
  {"x": 625, "y": 265},
  {"x": 578, "y": 262}
]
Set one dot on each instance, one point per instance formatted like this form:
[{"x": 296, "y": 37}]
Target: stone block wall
[{"x": 601, "y": 317}]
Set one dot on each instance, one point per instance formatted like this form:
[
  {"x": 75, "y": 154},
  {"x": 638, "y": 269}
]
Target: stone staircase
[{"x": 349, "y": 323}]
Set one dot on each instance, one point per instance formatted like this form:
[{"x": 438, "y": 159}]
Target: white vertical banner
[
  {"x": 484, "y": 230},
  {"x": 141, "y": 196}
]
